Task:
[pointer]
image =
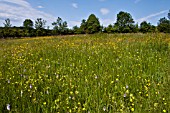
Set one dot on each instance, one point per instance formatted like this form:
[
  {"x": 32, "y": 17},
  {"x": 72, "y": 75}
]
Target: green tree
[
  {"x": 7, "y": 28},
  {"x": 145, "y": 27},
  {"x": 28, "y": 23},
  {"x": 93, "y": 24},
  {"x": 135, "y": 28},
  {"x": 7, "y": 23},
  {"x": 40, "y": 27},
  {"x": 40, "y": 23},
  {"x": 60, "y": 26},
  {"x": 28, "y": 26},
  {"x": 164, "y": 25},
  {"x": 76, "y": 30},
  {"x": 83, "y": 26},
  {"x": 109, "y": 29},
  {"x": 124, "y": 22}
]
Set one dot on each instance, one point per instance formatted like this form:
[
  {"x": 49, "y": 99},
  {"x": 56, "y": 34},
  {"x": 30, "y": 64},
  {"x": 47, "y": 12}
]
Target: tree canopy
[
  {"x": 40, "y": 23},
  {"x": 164, "y": 25},
  {"x": 7, "y": 23},
  {"x": 28, "y": 23},
  {"x": 60, "y": 26},
  {"x": 93, "y": 24},
  {"x": 124, "y": 24},
  {"x": 146, "y": 27}
]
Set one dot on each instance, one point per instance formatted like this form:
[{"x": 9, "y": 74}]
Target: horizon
[{"x": 73, "y": 11}]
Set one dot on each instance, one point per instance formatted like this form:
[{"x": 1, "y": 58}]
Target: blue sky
[{"x": 73, "y": 11}]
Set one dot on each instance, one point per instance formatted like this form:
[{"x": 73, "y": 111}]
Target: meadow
[{"x": 102, "y": 73}]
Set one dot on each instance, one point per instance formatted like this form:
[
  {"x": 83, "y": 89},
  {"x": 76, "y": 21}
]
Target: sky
[{"x": 73, "y": 11}]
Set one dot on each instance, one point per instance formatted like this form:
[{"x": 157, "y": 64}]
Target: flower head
[
  {"x": 8, "y": 107},
  {"x": 124, "y": 95},
  {"x": 127, "y": 86},
  {"x": 30, "y": 86}
]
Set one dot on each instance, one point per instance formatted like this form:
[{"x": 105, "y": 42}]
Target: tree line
[{"x": 124, "y": 24}]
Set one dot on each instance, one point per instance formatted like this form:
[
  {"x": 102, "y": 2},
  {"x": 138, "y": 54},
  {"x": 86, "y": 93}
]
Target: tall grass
[{"x": 86, "y": 74}]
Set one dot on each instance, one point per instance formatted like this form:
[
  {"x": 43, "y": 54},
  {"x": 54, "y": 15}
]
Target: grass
[{"x": 86, "y": 74}]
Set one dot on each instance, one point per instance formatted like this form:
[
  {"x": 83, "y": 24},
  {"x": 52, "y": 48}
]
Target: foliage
[
  {"x": 124, "y": 22},
  {"x": 108, "y": 29},
  {"x": 83, "y": 26},
  {"x": 28, "y": 26},
  {"x": 146, "y": 27},
  {"x": 76, "y": 30},
  {"x": 40, "y": 23},
  {"x": 60, "y": 26},
  {"x": 93, "y": 24},
  {"x": 86, "y": 74},
  {"x": 164, "y": 25},
  {"x": 7, "y": 23},
  {"x": 28, "y": 23}
]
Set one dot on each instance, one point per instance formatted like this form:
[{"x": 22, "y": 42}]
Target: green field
[{"x": 102, "y": 73}]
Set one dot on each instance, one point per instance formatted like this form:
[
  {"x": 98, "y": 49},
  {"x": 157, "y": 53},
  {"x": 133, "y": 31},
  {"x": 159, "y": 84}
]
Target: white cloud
[
  {"x": 151, "y": 16},
  {"x": 40, "y": 7},
  {"x": 19, "y": 10},
  {"x": 22, "y": 3},
  {"x": 104, "y": 11},
  {"x": 75, "y": 5}
]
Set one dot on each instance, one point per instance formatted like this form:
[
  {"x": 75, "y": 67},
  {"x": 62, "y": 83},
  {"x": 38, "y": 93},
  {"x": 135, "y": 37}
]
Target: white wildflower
[{"x": 8, "y": 107}]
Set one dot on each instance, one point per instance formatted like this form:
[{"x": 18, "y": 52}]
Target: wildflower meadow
[{"x": 101, "y": 73}]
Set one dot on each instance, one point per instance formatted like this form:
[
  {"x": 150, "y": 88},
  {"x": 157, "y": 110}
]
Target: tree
[
  {"x": 40, "y": 27},
  {"x": 28, "y": 23},
  {"x": 76, "y": 30},
  {"x": 135, "y": 28},
  {"x": 124, "y": 22},
  {"x": 93, "y": 24},
  {"x": 7, "y": 23},
  {"x": 40, "y": 23},
  {"x": 164, "y": 25},
  {"x": 83, "y": 26},
  {"x": 109, "y": 29},
  {"x": 28, "y": 26},
  {"x": 145, "y": 27},
  {"x": 60, "y": 26}
]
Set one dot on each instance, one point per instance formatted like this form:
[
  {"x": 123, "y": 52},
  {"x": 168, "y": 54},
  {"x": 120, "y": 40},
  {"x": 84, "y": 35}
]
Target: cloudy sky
[{"x": 73, "y": 11}]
